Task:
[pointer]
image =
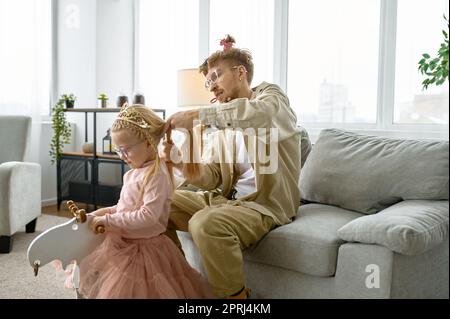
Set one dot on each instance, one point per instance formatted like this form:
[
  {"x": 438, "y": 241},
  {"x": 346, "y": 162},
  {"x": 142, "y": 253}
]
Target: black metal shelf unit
[{"x": 78, "y": 173}]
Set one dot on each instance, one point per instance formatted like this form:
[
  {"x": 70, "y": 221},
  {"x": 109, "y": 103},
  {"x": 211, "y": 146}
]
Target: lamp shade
[{"x": 191, "y": 88}]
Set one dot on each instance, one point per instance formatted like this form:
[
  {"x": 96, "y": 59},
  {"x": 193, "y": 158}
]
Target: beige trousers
[{"x": 221, "y": 229}]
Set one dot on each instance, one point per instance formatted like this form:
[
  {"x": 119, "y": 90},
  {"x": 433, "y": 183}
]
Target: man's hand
[
  {"x": 166, "y": 150},
  {"x": 169, "y": 150},
  {"x": 184, "y": 119}
]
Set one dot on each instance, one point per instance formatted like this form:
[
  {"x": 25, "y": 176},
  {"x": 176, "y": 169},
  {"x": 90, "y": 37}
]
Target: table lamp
[
  {"x": 191, "y": 89},
  {"x": 192, "y": 94}
]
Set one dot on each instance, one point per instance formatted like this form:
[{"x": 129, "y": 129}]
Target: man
[{"x": 239, "y": 202}]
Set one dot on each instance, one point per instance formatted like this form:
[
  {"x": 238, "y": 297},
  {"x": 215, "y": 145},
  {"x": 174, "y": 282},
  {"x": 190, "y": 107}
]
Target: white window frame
[
  {"x": 384, "y": 125},
  {"x": 386, "y": 81}
]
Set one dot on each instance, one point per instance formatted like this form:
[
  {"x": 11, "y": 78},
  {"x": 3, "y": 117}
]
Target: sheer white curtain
[{"x": 25, "y": 63}]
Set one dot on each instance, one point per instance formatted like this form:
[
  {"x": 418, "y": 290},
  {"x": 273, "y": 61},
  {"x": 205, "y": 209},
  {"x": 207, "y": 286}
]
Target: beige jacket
[{"x": 277, "y": 194}]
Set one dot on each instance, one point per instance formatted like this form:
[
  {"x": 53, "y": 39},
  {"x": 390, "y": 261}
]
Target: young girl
[{"x": 136, "y": 260}]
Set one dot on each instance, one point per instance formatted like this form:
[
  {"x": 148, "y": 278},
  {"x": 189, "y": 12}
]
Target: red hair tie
[{"x": 226, "y": 44}]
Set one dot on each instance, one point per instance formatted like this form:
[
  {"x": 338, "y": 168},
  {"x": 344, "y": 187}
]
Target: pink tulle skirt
[{"x": 140, "y": 268}]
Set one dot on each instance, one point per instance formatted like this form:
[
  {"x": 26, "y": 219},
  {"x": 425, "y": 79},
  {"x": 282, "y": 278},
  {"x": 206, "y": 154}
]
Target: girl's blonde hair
[{"x": 144, "y": 123}]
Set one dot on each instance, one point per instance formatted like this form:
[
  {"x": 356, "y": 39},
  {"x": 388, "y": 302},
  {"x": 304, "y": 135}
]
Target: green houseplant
[
  {"x": 103, "y": 98},
  {"x": 436, "y": 69},
  {"x": 69, "y": 100},
  {"x": 61, "y": 130}
]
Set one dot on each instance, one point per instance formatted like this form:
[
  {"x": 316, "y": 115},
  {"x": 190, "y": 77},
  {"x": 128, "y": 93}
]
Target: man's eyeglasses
[
  {"x": 125, "y": 150},
  {"x": 215, "y": 75}
]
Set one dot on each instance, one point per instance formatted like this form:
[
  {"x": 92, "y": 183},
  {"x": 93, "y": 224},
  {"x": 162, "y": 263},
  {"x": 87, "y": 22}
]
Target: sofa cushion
[
  {"x": 309, "y": 244},
  {"x": 370, "y": 173},
  {"x": 409, "y": 227}
]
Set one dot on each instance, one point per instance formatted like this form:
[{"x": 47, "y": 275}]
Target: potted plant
[
  {"x": 69, "y": 100},
  {"x": 437, "y": 68},
  {"x": 61, "y": 130},
  {"x": 103, "y": 98}
]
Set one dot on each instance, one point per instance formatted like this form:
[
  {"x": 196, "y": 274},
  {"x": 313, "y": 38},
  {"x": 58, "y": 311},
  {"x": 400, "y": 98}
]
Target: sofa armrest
[
  {"x": 410, "y": 227},
  {"x": 20, "y": 195}
]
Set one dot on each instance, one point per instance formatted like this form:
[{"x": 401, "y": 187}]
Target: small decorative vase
[
  {"x": 139, "y": 99},
  {"x": 121, "y": 100},
  {"x": 102, "y": 103},
  {"x": 88, "y": 148}
]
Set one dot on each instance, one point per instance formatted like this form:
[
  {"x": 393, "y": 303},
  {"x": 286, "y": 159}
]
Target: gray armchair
[{"x": 20, "y": 182}]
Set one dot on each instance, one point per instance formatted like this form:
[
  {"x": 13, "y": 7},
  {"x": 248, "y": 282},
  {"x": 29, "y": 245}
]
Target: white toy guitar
[{"x": 67, "y": 242}]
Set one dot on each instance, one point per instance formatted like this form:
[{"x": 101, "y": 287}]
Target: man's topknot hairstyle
[{"x": 234, "y": 56}]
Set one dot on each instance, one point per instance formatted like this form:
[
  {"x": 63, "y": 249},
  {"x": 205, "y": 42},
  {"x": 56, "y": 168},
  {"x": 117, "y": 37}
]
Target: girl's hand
[
  {"x": 100, "y": 212},
  {"x": 96, "y": 222}
]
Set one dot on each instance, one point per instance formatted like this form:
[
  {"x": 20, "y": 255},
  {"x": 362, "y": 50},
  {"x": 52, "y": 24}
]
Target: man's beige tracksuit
[{"x": 221, "y": 226}]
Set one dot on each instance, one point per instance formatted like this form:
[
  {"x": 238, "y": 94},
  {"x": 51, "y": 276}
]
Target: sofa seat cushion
[{"x": 309, "y": 244}]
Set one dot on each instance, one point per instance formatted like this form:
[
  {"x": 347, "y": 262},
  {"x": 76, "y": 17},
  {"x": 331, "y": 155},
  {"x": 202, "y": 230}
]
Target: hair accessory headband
[{"x": 130, "y": 115}]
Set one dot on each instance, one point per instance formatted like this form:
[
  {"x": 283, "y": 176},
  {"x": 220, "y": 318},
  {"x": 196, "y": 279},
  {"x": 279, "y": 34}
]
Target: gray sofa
[{"x": 373, "y": 223}]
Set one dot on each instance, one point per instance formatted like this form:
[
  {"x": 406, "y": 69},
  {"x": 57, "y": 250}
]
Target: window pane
[
  {"x": 419, "y": 30},
  {"x": 333, "y": 60},
  {"x": 250, "y": 22},
  {"x": 25, "y": 56},
  {"x": 168, "y": 41}
]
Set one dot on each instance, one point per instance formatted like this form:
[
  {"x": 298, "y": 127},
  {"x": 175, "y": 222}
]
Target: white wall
[
  {"x": 94, "y": 54},
  {"x": 95, "y": 58},
  {"x": 76, "y": 49},
  {"x": 49, "y": 171},
  {"x": 115, "y": 41}
]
